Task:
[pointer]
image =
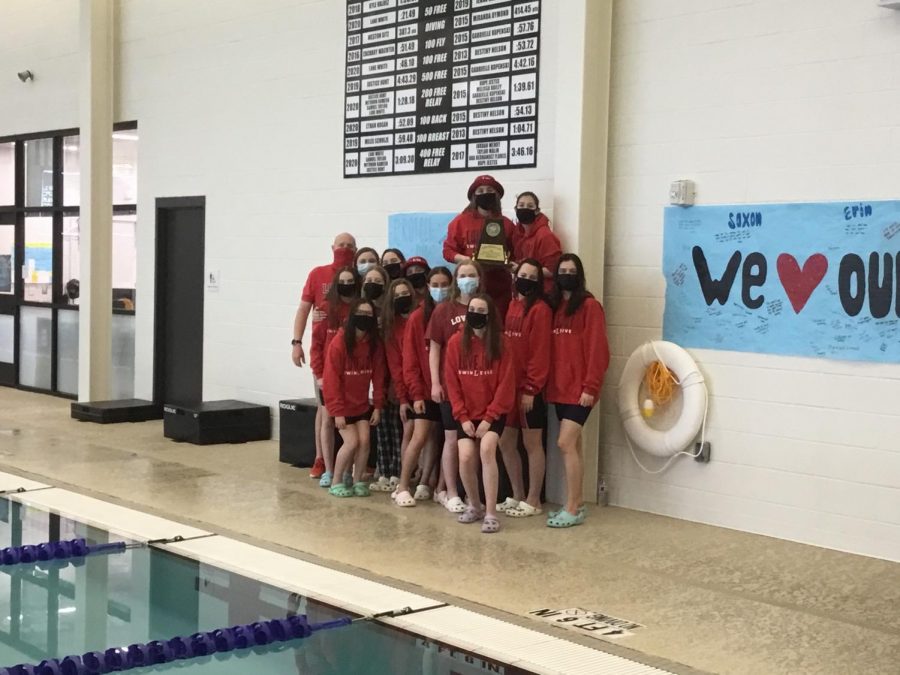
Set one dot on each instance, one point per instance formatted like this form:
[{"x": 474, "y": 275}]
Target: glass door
[{"x": 7, "y": 299}]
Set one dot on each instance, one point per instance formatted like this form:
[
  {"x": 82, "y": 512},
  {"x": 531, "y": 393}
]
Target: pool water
[{"x": 147, "y": 594}]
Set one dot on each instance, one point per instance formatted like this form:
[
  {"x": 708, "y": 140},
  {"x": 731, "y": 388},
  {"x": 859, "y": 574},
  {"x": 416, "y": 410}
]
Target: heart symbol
[{"x": 800, "y": 283}]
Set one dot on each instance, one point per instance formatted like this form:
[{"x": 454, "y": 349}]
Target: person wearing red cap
[
  {"x": 534, "y": 238},
  {"x": 313, "y": 299},
  {"x": 464, "y": 235},
  {"x": 416, "y": 270},
  {"x": 580, "y": 357}
]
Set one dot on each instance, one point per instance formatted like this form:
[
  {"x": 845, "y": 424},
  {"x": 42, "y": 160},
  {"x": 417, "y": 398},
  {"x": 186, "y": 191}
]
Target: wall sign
[
  {"x": 819, "y": 279},
  {"x": 440, "y": 85}
]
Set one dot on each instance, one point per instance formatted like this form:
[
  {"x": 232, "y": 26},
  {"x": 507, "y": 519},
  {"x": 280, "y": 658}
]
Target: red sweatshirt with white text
[
  {"x": 348, "y": 376},
  {"x": 580, "y": 353},
  {"x": 322, "y": 335},
  {"x": 416, "y": 371},
  {"x": 393, "y": 350},
  {"x": 479, "y": 390},
  {"x": 529, "y": 338}
]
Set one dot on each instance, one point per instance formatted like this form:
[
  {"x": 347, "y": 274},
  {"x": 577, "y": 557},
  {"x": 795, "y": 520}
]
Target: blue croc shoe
[{"x": 325, "y": 480}]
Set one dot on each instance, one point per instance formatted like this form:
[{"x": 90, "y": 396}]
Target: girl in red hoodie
[
  {"x": 399, "y": 303},
  {"x": 534, "y": 238},
  {"x": 447, "y": 319},
  {"x": 344, "y": 289},
  {"x": 425, "y": 412},
  {"x": 355, "y": 360},
  {"x": 464, "y": 235},
  {"x": 528, "y": 333},
  {"x": 580, "y": 359},
  {"x": 481, "y": 385}
]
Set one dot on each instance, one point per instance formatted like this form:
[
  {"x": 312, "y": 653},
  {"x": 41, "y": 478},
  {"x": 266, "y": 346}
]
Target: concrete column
[
  {"x": 96, "y": 124},
  {"x": 582, "y": 122}
]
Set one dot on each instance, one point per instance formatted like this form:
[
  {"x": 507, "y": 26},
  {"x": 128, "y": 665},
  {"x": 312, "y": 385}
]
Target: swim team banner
[{"x": 818, "y": 279}]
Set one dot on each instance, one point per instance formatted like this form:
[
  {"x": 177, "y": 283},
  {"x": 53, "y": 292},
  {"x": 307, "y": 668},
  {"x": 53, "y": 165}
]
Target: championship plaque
[{"x": 492, "y": 246}]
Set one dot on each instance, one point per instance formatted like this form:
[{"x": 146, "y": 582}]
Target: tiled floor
[{"x": 713, "y": 599}]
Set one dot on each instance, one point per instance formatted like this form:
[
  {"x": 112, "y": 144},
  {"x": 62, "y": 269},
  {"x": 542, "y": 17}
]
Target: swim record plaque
[{"x": 435, "y": 86}]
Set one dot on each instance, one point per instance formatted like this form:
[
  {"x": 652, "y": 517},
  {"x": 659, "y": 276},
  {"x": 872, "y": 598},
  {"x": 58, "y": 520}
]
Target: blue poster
[
  {"x": 420, "y": 234},
  {"x": 818, "y": 279}
]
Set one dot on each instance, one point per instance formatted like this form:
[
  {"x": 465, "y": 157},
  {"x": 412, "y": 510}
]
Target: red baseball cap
[
  {"x": 485, "y": 180},
  {"x": 416, "y": 261}
]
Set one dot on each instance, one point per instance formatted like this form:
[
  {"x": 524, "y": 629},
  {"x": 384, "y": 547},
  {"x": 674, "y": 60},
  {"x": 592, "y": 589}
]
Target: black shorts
[
  {"x": 353, "y": 419},
  {"x": 496, "y": 427},
  {"x": 535, "y": 419},
  {"x": 572, "y": 411},
  {"x": 432, "y": 412},
  {"x": 447, "y": 416}
]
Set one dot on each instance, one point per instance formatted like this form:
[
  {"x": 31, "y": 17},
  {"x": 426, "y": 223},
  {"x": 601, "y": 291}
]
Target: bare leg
[
  {"x": 429, "y": 459},
  {"x": 570, "y": 446},
  {"x": 468, "y": 470},
  {"x": 319, "y": 414},
  {"x": 421, "y": 430},
  {"x": 450, "y": 464},
  {"x": 347, "y": 454},
  {"x": 490, "y": 472},
  {"x": 534, "y": 446},
  {"x": 509, "y": 448},
  {"x": 327, "y": 440},
  {"x": 362, "y": 450}
]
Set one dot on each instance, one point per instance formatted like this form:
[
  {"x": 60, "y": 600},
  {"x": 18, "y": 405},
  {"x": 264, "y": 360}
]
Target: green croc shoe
[
  {"x": 340, "y": 490},
  {"x": 361, "y": 490},
  {"x": 565, "y": 519},
  {"x": 554, "y": 514}
]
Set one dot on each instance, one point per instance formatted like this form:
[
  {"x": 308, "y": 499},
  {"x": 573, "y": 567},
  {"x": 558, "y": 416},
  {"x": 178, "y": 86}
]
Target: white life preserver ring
[{"x": 694, "y": 401}]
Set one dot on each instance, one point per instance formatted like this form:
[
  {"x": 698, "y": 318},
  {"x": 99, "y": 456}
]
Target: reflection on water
[{"x": 142, "y": 595}]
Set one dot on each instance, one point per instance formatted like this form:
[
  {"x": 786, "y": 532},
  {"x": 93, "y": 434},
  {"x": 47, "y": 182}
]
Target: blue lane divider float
[
  {"x": 219, "y": 641},
  {"x": 56, "y": 550}
]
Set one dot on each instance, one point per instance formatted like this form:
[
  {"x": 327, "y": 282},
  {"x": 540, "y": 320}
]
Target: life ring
[{"x": 694, "y": 399}]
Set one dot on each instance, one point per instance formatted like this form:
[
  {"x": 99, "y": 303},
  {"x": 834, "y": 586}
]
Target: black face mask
[
  {"x": 526, "y": 286},
  {"x": 403, "y": 304},
  {"x": 486, "y": 201},
  {"x": 568, "y": 282},
  {"x": 417, "y": 279},
  {"x": 372, "y": 290},
  {"x": 346, "y": 290},
  {"x": 476, "y": 320},
  {"x": 394, "y": 270},
  {"x": 526, "y": 216},
  {"x": 363, "y": 322}
]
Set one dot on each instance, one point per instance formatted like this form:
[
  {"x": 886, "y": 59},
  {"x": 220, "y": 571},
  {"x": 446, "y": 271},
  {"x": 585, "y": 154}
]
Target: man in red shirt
[{"x": 313, "y": 298}]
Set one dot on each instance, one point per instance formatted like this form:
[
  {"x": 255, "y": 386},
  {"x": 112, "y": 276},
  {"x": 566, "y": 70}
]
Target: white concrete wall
[
  {"x": 757, "y": 101},
  {"x": 243, "y": 102}
]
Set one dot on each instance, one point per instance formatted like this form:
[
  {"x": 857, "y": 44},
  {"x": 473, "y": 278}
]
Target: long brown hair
[
  {"x": 388, "y": 314},
  {"x": 493, "y": 332},
  {"x": 350, "y": 331},
  {"x": 539, "y": 295},
  {"x": 454, "y": 288},
  {"x": 334, "y": 298},
  {"x": 386, "y": 278},
  {"x": 579, "y": 295}
]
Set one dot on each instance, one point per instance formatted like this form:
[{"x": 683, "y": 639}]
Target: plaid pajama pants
[{"x": 388, "y": 437}]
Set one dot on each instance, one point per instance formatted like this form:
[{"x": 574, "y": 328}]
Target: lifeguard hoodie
[
  {"x": 348, "y": 376},
  {"x": 479, "y": 390},
  {"x": 580, "y": 353}
]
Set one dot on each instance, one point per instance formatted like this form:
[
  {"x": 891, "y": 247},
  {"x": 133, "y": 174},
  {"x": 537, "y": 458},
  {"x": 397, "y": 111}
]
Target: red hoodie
[
  {"x": 539, "y": 242},
  {"x": 463, "y": 237},
  {"x": 393, "y": 349},
  {"x": 479, "y": 390},
  {"x": 416, "y": 371},
  {"x": 348, "y": 376},
  {"x": 529, "y": 339},
  {"x": 580, "y": 353},
  {"x": 322, "y": 335}
]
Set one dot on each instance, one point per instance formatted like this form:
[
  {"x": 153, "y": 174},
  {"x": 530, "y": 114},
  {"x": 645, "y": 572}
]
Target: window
[
  {"x": 7, "y": 174},
  {"x": 38, "y": 172},
  {"x": 38, "y": 263}
]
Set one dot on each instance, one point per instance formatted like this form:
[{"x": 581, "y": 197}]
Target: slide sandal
[
  {"x": 423, "y": 493},
  {"x": 470, "y": 515},
  {"x": 340, "y": 490},
  {"x": 455, "y": 505},
  {"x": 565, "y": 519},
  {"x": 361, "y": 489},
  {"x": 490, "y": 525},
  {"x": 404, "y": 499},
  {"x": 325, "y": 480}
]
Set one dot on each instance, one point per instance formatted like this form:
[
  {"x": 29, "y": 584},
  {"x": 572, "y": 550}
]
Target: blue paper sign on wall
[
  {"x": 818, "y": 279},
  {"x": 420, "y": 234}
]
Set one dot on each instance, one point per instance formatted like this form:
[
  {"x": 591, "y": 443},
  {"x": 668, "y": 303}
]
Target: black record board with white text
[{"x": 435, "y": 86}]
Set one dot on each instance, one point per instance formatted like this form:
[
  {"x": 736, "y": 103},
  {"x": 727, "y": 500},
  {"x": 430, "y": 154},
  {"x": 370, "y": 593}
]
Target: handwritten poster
[
  {"x": 814, "y": 279},
  {"x": 420, "y": 234}
]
